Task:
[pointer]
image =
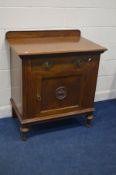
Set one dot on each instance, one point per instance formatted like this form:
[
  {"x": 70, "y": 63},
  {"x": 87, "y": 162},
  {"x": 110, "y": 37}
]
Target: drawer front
[{"x": 61, "y": 64}]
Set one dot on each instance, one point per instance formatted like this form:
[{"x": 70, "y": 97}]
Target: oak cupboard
[{"x": 53, "y": 75}]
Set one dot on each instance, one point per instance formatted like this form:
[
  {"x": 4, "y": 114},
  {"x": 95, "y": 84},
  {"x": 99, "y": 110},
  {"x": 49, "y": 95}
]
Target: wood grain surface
[{"x": 38, "y": 42}]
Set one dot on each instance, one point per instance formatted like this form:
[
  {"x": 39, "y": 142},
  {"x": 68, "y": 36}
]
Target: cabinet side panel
[
  {"x": 90, "y": 84},
  {"x": 16, "y": 80},
  {"x": 27, "y": 88}
]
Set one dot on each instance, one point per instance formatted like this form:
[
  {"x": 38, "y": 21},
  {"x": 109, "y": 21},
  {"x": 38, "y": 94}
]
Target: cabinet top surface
[{"x": 50, "y": 42}]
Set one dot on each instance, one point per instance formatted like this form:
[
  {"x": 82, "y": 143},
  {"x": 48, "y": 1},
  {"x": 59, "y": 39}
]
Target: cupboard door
[{"x": 58, "y": 93}]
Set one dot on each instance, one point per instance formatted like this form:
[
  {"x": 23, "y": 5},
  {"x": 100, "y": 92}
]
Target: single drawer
[{"x": 61, "y": 63}]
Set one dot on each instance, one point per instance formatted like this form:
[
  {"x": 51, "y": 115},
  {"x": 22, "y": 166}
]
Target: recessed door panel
[{"x": 60, "y": 92}]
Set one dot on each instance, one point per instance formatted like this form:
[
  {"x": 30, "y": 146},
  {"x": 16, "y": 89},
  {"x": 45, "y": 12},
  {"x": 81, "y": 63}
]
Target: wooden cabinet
[{"x": 53, "y": 75}]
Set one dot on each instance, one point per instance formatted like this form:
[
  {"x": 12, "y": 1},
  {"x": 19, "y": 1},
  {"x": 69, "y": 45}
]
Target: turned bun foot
[
  {"x": 23, "y": 133},
  {"x": 89, "y": 119}
]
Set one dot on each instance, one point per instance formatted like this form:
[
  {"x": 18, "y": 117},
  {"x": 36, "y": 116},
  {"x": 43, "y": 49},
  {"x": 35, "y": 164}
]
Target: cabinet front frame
[{"x": 89, "y": 73}]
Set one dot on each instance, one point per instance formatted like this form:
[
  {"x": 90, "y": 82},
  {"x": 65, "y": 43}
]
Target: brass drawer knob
[
  {"x": 47, "y": 65},
  {"x": 80, "y": 61}
]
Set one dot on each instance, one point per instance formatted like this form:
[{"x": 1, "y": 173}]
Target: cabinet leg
[
  {"x": 89, "y": 118},
  {"x": 13, "y": 113},
  {"x": 23, "y": 132}
]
